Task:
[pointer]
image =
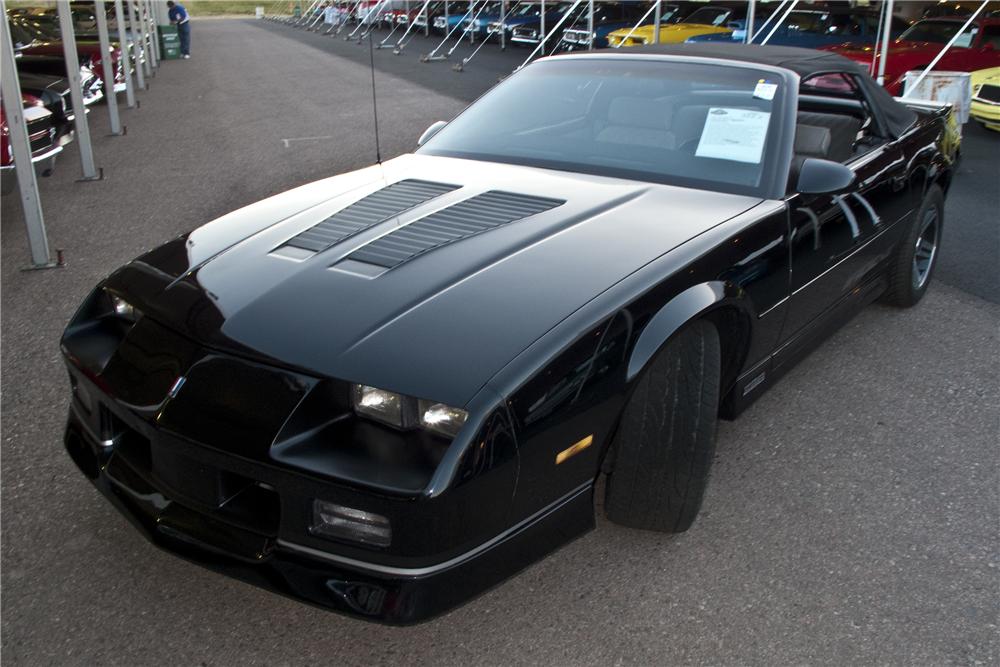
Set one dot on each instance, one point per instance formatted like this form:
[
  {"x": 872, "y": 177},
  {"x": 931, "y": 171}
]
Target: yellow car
[
  {"x": 986, "y": 97},
  {"x": 704, "y": 21}
]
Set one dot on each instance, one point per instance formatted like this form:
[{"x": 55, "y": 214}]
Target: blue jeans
[{"x": 184, "y": 32}]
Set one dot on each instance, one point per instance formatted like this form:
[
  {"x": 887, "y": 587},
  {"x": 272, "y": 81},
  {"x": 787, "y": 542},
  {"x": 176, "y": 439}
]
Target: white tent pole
[
  {"x": 128, "y": 49},
  {"x": 751, "y": 15},
  {"x": 910, "y": 89},
  {"x": 657, "y": 16},
  {"x": 24, "y": 170},
  {"x": 780, "y": 21},
  {"x": 768, "y": 20},
  {"x": 107, "y": 67},
  {"x": 141, "y": 60},
  {"x": 885, "y": 40},
  {"x": 90, "y": 172}
]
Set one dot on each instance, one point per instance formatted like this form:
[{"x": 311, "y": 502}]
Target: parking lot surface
[{"x": 853, "y": 515}]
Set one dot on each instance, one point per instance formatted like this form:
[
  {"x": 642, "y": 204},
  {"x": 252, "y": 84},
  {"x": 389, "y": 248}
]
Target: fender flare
[{"x": 677, "y": 312}]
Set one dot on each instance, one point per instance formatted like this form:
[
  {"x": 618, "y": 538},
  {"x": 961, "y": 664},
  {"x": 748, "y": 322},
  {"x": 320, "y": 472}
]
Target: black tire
[
  {"x": 906, "y": 286},
  {"x": 666, "y": 439}
]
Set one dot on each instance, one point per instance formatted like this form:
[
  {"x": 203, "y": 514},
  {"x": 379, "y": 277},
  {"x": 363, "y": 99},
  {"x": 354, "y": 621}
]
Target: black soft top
[{"x": 804, "y": 62}]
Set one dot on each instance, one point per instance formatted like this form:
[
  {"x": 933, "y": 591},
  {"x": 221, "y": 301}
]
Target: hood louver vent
[
  {"x": 365, "y": 213},
  {"x": 467, "y": 218}
]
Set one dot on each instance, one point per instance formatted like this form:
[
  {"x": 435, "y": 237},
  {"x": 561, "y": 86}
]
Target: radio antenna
[{"x": 371, "y": 58}]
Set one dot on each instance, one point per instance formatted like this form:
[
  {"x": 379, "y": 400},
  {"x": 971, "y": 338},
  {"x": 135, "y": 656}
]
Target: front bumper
[{"x": 370, "y": 591}]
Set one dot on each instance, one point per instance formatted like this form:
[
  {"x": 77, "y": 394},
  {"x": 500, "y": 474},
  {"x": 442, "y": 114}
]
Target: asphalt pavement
[{"x": 853, "y": 516}]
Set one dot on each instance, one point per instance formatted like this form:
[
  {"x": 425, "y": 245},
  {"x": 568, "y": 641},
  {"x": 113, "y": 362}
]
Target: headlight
[
  {"x": 440, "y": 418},
  {"x": 384, "y": 406},
  {"x": 404, "y": 412}
]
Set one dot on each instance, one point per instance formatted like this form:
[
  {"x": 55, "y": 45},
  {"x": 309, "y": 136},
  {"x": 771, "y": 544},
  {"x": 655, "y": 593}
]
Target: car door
[
  {"x": 976, "y": 48},
  {"x": 838, "y": 242}
]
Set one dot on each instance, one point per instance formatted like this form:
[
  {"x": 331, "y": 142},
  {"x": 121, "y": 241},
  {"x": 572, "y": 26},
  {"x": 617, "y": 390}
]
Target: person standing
[{"x": 179, "y": 17}]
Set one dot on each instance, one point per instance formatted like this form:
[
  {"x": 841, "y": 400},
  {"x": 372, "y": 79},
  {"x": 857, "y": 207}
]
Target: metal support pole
[
  {"x": 590, "y": 25},
  {"x": 154, "y": 57},
  {"x": 154, "y": 31},
  {"x": 31, "y": 204},
  {"x": 90, "y": 171},
  {"x": 503, "y": 27},
  {"x": 140, "y": 26},
  {"x": 107, "y": 68},
  {"x": 751, "y": 15},
  {"x": 541, "y": 35},
  {"x": 657, "y": 15},
  {"x": 951, "y": 42},
  {"x": 128, "y": 50},
  {"x": 141, "y": 59},
  {"x": 780, "y": 21}
]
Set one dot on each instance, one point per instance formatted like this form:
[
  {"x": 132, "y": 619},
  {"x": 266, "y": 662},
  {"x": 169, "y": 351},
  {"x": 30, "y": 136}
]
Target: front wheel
[
  {"x": 911, "y": 270},
  {"x": 664, "y": 445}
]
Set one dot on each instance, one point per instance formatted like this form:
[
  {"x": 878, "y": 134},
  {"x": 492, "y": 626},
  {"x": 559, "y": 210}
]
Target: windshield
[
  {"x": 708, "y": 16},
  {"x": 707, "y": 126},
  {"x": 806, "y": 22},
  {"x": 940, "y": 32}
]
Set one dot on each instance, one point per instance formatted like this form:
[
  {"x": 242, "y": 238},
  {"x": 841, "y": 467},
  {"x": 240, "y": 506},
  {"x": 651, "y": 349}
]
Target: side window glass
[
  {"x": 991, "y": 37},
  {"x": 966, "y": 39}
]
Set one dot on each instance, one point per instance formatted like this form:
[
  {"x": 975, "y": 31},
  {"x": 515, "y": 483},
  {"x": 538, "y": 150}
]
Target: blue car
[
  {"x": 458, "y": 12},
  {"x": 814, "y": 28},
  {"x": 525, "y": 14}
]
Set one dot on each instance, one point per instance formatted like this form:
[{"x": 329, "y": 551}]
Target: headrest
[{"x": 812, "y": 141}]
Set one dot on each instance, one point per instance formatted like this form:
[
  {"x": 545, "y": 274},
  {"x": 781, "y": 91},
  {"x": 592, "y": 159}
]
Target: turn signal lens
[
  {"x": 441, "y": 418},
  {"x": 347, "y": 523}
]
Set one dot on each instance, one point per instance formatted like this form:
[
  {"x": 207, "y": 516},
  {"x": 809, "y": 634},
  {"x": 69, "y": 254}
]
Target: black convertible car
[{"x": 386, "y": 391}]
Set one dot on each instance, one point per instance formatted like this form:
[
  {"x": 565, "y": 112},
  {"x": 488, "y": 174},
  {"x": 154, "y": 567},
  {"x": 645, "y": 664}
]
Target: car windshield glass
[
  {"x": 707, "y": 126},
  {"x": 707, "y": 16},
  {"x": 806, "y": 22},
  {"x": 940, "y": 32}
]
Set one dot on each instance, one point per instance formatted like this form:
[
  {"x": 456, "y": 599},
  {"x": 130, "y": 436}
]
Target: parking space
[{"x": 853, "y": 515}]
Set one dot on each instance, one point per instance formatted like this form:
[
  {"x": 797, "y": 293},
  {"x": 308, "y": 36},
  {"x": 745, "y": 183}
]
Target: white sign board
[{"x": 953, "y": 88}]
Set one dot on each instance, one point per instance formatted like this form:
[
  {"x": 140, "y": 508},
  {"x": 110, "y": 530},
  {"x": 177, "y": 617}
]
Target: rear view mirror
[
  {"x": 824, "y": 177},
  {"x": 430, "y": 132}
]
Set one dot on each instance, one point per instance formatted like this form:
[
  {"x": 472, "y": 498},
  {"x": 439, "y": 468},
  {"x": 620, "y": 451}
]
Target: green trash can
[{"x": 170, "y": 42}]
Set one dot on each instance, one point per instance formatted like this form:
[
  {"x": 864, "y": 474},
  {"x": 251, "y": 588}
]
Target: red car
[
  {"x": 41, "y": 136},
  {"x": 977, "y": 48},
  {"x": 30, "y": 39}
]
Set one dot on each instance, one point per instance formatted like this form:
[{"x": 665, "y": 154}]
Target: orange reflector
[{"x": 574, "y": 449}]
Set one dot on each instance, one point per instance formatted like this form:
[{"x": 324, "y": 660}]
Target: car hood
[
  {"x": 439, "y": 325},
  {"x": 862, "y": 53},
  {"x": 673, "y": 33}
]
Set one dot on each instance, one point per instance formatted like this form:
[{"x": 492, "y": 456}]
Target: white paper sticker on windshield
[
  {"x": 764, "y": 90},
  {"x": 734, "y": 134}
]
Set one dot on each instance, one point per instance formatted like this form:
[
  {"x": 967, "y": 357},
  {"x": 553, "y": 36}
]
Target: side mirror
[
  {"x": 824, "y": 177},
  {"x": 430, "y": 132}
]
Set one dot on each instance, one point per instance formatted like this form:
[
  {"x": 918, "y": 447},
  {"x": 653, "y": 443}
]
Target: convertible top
[{"x": 804, "y": 62}]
